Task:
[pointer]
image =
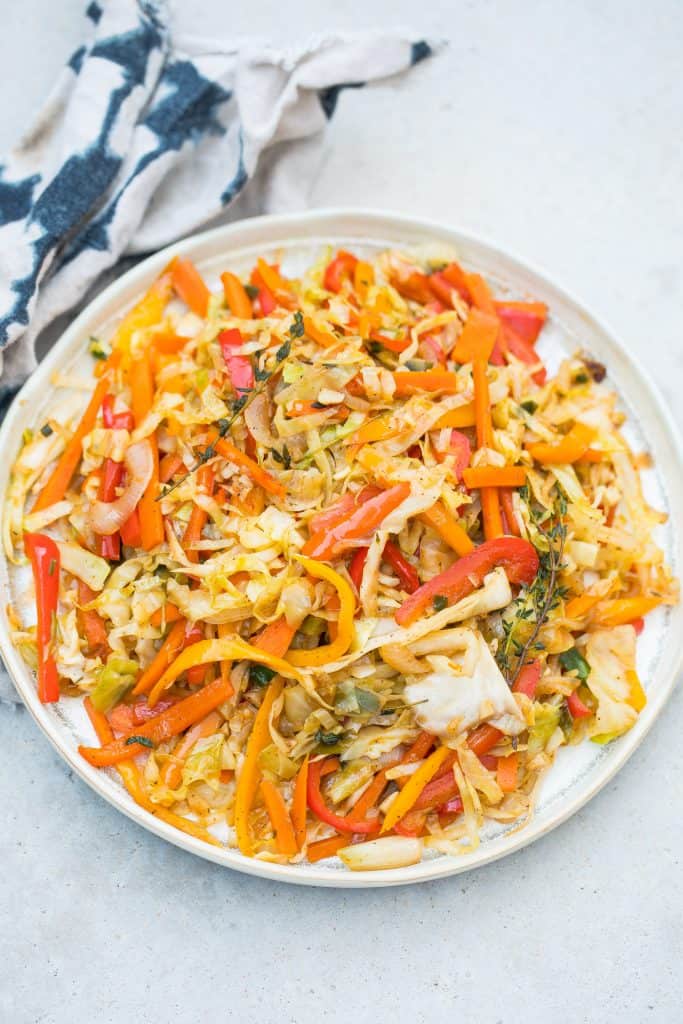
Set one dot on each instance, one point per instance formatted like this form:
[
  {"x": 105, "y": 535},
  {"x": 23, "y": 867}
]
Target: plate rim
[{"x": 306, "y": 874}]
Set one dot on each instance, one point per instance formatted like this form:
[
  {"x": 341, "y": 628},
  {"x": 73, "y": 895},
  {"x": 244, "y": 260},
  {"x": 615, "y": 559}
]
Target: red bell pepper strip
[
  {"x": 515, "y": 555},
  {"x": 527, "y": 680},
  {"x": 340, "y": 268},
  {"x": 265, "y": 297},
  {"x": 112, "y": 473},
  {"x": 116, "y": 420},
  {"x": 406, "y": 572},
  {"x": 459, "y": 445},
  {"x": 240, "y": 370},
  {"x": 363, "y": 521},
  {"x": 356, "y": 566},
  {"x": 577, "y": 709},
  {"x": 525, "y": 318},
  {"x": 44, "y": 556},
  {"x": 516, "y": 346},
  {"x": 320, "y": 809},
  {"x": 125, "y": 717}
]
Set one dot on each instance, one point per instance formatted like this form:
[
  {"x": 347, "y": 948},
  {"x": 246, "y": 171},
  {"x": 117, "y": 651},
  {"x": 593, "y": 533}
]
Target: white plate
[{"x": 579, "y": 772}]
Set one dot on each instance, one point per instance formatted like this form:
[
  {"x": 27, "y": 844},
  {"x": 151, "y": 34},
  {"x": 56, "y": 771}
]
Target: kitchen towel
[{"x": 148, "y": 136}]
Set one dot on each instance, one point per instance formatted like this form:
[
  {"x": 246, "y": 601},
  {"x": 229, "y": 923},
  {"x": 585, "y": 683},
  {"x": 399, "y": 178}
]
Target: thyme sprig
[
  {"x": 535, "y": 603},
  {"x": 241, "y": 403}
]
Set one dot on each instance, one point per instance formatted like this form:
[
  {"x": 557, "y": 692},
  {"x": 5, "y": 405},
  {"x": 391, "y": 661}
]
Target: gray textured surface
[{"x": 554, "y": 130}]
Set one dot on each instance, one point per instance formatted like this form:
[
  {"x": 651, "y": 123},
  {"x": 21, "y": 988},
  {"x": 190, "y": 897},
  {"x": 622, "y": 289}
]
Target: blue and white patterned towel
[{"x": 146, "y": 137}]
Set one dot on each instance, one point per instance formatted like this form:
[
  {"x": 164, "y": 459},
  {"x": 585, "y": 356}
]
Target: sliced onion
[
  {"x": 106, "y": 517},
  {"x": 389, "y": 852}
]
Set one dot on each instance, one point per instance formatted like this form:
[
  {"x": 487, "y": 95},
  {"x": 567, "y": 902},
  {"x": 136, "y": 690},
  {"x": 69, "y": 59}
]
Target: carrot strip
[
  {"x": 171, "y": 646},
  {"x": 61, "y": 475},
  {"x": 300, "y": 803},
  {"x": 276, "y": 637},
  {"x": 142, "y": 395},
  {"x": 477, "y": 477},
  {"x": 490, "y": 506},
  {"x": 506, "y": 772},
  {"x": 483, "y": 739},
  {"x": 480, "y": 293},
  {"x": 169, "y": 466},
  {"x": 228, "y": 450},
  {"x": 319, "y": 334},
  {"x": 198, "y": 516},
  {"x": 236, "y": 298},
  {"x": 285, "y": 838},
  {"x": 170, "y": 722},
  {"x": 448, "y": 529},
  {"x": 477, "y": 339},
  {"x": 165, "y": 615},
  {"x": 190, "y": 286},
  {"x": 168, "y": 344}
]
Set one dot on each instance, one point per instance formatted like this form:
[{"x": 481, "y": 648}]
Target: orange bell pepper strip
[
  {"x": 477, "y": 338},
  {"x": 236, "y": 298},
  {"x": 476, "y": 477},
  {"x": 364, "y": 520},
  {"x": 463, "y": 416},
  {"x": 448, "y": 529},
  {"x": 130, "y": 777},
  {"x": 280, "y": 820},
  {"x": 172, "y": 771},
  {"x": 276, "y": 637},
  {"x": 321, "y": 335},
  {"x": 61, "y": 475},
  {"x": 170, "y": 722},
  {"x": 325, "y": 848},
  {"x": 571, "y": 448},
  {"x": 168, "y": 344},
  {"x": 413, "y": 787},
  {"x": 581, "y": 605},
  {"x": 189, "y": 285},
  {"x": 363, "y": 280},
  {"x": 198, "y": 516},
  {"x": 483, "y": 739},
  {"x": 411, "y": 382},
  {"x": 165, "y": 615},
  {"x": 250, "y": 775},
  {"x": 91, "y": 623},
  {"x": 620, "y": 611},
  {"x": 260, "y": 476},
  {"x": 517, "y": 556},
  {"x": 299, "y": 804},
  {"x": 506, "y": 772},
  {"x": 164, "y": 657},
  {"x": 142, "y": 395}
]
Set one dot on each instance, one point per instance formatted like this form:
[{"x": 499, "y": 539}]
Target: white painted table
[{"x": 554, "y": 130}]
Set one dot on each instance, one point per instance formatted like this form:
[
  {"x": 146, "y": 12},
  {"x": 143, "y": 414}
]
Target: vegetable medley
[{"x": 335, "y": 563}]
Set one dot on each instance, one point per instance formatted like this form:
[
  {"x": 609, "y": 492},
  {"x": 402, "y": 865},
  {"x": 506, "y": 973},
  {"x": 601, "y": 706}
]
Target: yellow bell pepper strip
[
  {"x": 345, "y": 628},
  {"x": 477, "y": 338},
  {"x": 190, "y": 286},
  {"x": 411, "y": 382},
  {"x": 517, "y": 556},
  {"x": 624, "y": 610},
  {"x": 168, "y": 723},
  {"x": 285, "y": 838},
  {"x": 236, "y": 298},
  {"x": 250, "y": 775},
  {"x": 364, "y": 520},
  {"x": 130, "y": 777},
  {"x": 413, "y": 787},
  {"x": 448, "y": 529},
  {"x": 363, "y": 279},
  {"x": 61, "y": 475},
  {"x": 233, "y": 454},
  {"x": 571, "y": 448},
  {"x": 581, "y": 605},
  {"x": 463, "y": 416},
  {"x": 637, "y": 697},
  {"x": 299, "y": 804},
  {"x": 477, "y": 477},
  {"x": 207, "y": 651},
  {"x": 145, "y": 313}
]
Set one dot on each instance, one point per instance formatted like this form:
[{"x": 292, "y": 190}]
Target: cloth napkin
[{"x": 146, "y": 137}]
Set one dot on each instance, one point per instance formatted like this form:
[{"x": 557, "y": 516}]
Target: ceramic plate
[{"x": 579, "y": 772}]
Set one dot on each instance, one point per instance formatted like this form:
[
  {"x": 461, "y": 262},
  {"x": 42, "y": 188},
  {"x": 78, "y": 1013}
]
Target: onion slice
[
  {"x": 381, "y": 854},
  {"x": 106, "y": 517}
]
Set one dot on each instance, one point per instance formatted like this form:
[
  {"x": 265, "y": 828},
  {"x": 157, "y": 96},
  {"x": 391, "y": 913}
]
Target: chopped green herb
[
  {"x": 27, "y": 436},
  {"x": 297, "y": 328},
  {"x": 260, "y": 675},
  {"x": 96, "y": 349},
  {"x": 440, "y": 602},
  {"x": 581, "y": 378},
  {"x": 283, "y": 351},
  {"x": 573, "y": 661},
  {"x": 52, "y": 567},
  {"x": 144, "y": 741},
  {"x": 260, "y": 375},
  {"x": 529, "y": 406},
  {"x": 251, "y": 290},
  {"x": 46, "y": 430},
  {"x": 328, "y": 739}
]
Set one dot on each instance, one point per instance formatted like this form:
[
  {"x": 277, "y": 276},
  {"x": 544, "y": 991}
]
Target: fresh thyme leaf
[
  {"x": 46, "y": 430},
  {"x": 260, "y": 375},
  {"x": 529, "y": 406},
  {"x": 283, "y": 351},
  {"x": 328, "y": 739},
  {"x": 573, "y": 661},
  {"x": 251, "y": 290},
  {"x": 144, "y": 741},
  {"x": 297, "y": 328},
  {"x": 440, "y": 602}
]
